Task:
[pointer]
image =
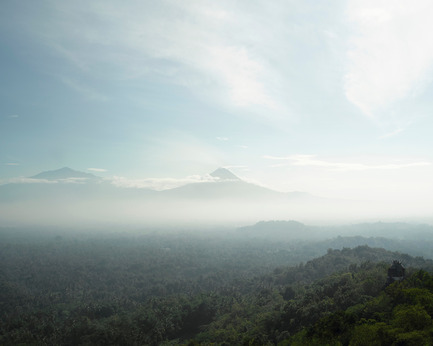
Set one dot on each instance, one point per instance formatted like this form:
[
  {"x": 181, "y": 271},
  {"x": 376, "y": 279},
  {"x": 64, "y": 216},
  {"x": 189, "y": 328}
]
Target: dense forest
[{"x": 201, "y": 288}]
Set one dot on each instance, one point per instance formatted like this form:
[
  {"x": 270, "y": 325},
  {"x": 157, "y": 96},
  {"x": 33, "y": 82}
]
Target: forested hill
[
  {"x": 400, "y": 314},
  {"x": 160, "y": 289},
  {"x": 342, "y": 260}
]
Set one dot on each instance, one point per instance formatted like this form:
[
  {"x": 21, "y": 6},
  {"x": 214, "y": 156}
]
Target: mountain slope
[
  {"x": 65, "y": 185},
  {"x": 237, "y": 189},
  {"x": 229, "y": 186},
  {"x": 65, "y": 173}
]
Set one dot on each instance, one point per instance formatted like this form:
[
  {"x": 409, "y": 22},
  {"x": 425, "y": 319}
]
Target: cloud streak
[
  {"x": 84, "y": 90},
  {"x": 312, "y": 161},
  {"x": 160, "y": 184},
  {"x": 24, "y": 180},
  {"x": 391, "y": 134},
  {"x": 97, "y": 169}
]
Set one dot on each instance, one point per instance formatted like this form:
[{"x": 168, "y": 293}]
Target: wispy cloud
[
  {"x": 391, "y": 134},
  {"x": 97, "y": 169},
  {"x": 73, "y": 180},
  {"x": 160, "y": 184},
  {"x": 391, "y": 56},
  {"x": 13, "y": 116},
  {"x": 223, "y": 139},
  {"x": 236, "y": 166},
  {"x": 84, "y": 89},
  {"x": 311, "y": 160},
  {"x": 12, "y": 164},
  {"x": 205, "y": 46},
  {"x": 23, "y": 180}
]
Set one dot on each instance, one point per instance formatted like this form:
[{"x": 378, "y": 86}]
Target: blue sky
[{"x": 332, "y": 98}]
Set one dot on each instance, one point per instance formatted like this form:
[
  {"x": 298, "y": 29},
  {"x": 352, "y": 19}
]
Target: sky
[{"x": 330, "y": 98}]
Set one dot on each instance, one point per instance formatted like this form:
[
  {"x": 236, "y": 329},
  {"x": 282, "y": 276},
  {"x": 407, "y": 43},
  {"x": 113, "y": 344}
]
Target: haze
[{"x": 331, "y": 100}]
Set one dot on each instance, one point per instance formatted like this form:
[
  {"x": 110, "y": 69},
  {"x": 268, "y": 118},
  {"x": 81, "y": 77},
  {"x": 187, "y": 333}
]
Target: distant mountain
[
  {"x": 65, "y": 185},
  {"x": 224, "y": 174},
  {"x": 229, "y": 187},
  {"x": 226, "y": 186},
  {"x": 224, "y": 189},
  {"x": 64, "y": 173},
  {"x": 67, "y": 194}
]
